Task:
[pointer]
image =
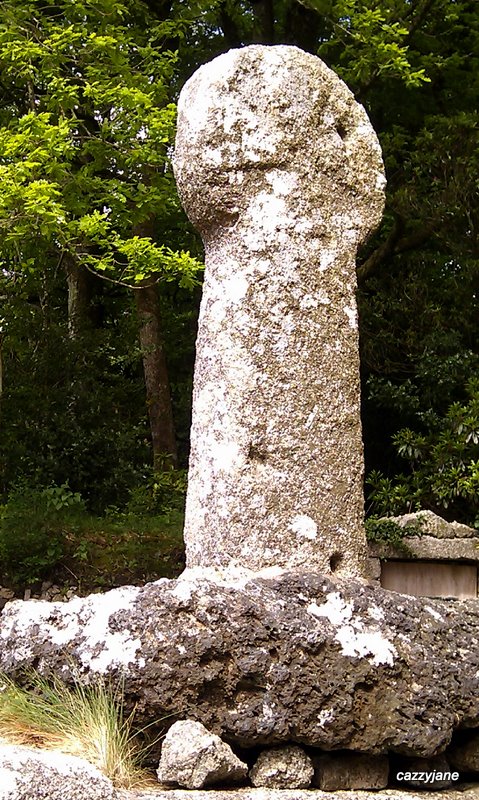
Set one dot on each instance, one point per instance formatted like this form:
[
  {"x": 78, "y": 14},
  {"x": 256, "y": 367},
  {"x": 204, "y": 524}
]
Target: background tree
[
  {"x": 87, "y": 93},
  {"x": 414, "y": 65},
  {"x": 86, "y": 120}
]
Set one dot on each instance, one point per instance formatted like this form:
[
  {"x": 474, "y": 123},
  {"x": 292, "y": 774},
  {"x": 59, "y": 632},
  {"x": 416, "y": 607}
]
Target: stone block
[
  {"x": 337, "y": 771},
  {"x": 343, "y": 664},
  {"x": 424, "y": 773}
]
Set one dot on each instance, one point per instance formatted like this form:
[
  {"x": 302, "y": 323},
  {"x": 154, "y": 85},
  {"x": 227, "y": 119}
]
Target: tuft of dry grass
[{"x": 83, "y": 721}]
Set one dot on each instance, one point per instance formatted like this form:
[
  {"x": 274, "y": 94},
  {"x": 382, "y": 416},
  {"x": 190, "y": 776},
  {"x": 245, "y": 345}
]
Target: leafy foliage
[
  {"x": 386, "y": 531},
  {"x": 48, "y": 533},
  {"x": 33, "y": 527},
  {"x": 87, "y": 116},
  {"x": 85, "y": 164},
  {"x": 443, "y": 461}
]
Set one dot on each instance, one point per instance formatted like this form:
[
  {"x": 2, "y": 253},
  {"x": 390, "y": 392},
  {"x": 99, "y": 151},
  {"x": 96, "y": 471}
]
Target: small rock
[
  {"x": 337, "y": 771},
  {"x": 7, "y": 594},
  {"x": 283, "y": 768},
  {"x": 193, "y": 757},
  {"x": 27, "y": 594},
  {"x": 45, "y": 775}
]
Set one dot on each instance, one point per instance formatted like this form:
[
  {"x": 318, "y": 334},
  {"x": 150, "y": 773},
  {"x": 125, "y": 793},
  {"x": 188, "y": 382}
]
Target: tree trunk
[
  {"x": 158, "y": 395},
  {"x": 79, "y": 282}
]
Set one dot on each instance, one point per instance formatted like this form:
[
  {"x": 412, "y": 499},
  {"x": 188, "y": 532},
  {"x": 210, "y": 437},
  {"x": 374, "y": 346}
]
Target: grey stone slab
[
  {"x": 462, "y": 793},
  {"x": 430, "y": 548},
  {"x": 335, "y": 771}
]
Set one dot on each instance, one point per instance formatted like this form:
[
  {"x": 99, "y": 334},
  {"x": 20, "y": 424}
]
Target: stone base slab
[{"x": 463, "y": 792}]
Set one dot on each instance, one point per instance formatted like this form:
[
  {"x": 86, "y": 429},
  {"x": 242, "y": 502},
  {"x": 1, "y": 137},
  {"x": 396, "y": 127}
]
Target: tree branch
[{"x": 394, "y": 244}]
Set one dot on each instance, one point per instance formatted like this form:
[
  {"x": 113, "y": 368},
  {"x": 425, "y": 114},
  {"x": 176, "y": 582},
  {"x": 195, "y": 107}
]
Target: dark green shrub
[
  {"x": 34, "y": 528},
  {"x": 386, "y": 531},
  {"x": 442, "y": 460}
]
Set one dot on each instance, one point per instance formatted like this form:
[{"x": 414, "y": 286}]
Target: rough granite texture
[
  {"x": 279, "y": 169},
  {"x": 193, "y": 757},
  {"x": 429, "y": 548},
  {"x": 295, "y": 658},
  {"x": 431, "y": 524},
  {"x": 27, "y": 774},
  {"x": 283, "y": 768}
]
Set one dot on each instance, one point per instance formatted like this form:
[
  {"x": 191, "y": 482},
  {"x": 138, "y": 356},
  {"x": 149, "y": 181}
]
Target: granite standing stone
[{"x": 279, "y": 169}]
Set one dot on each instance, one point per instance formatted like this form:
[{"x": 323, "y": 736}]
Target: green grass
[{"x": 83, "y": 721}]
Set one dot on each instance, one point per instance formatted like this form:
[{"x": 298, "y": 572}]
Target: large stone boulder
[
  {"x": 270, "y": 660},
  {"x": 27, "y": 774}
]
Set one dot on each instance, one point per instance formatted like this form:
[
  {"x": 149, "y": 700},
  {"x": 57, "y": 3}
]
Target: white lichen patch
[
  {"x": 325, "y": 715},
  {"x": 319, "y": 298},
  {"x": 308, "y": 301},
  {"x": 355, "y": 639},
  {"x": 282, "y": 183},
  {"x": 311, "y": 417},
  {"x": 352, "y": 316},
  {"x": 213, "y": 155},
  {"x": 84, "y": 622},
  {"x": 235, "y": 288},
  {"x": 9, "y": 781},
  {"x": 228, "y": 456},
  {"x": 326, "y": 259},
  {"x": 380, "y": 182},
  {"x": 304, "y": 526},
  {"x": 434, "y": 613},
  {"x": 376, "y": 613},
  {"x": 358, "y": 644},
  {"x": 334, "y": 609},
  {"x": 182, "y": 591},
  {"x": 269, "y": 213}
]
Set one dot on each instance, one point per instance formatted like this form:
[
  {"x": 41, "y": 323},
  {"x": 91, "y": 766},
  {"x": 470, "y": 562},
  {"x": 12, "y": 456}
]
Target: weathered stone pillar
[{"x": 280, "y": 170}]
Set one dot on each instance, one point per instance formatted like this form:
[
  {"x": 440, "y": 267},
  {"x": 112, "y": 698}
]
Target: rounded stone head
[{"x": 261, "y": 111}]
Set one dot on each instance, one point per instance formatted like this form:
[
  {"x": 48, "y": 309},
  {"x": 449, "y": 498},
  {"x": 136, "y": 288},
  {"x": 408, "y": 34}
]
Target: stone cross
[{"x": 279, "y": 169}]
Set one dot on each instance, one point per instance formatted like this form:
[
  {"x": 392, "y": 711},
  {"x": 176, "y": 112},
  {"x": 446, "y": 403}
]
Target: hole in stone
[
  {"x": 341, "y": 130},
  {"x": 256, "y": 454},
  {"x": 335, "y": 561}
]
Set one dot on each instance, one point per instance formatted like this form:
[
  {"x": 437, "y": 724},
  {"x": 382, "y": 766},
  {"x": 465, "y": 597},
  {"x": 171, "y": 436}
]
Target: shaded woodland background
[{"x": 100, "y": 273}]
